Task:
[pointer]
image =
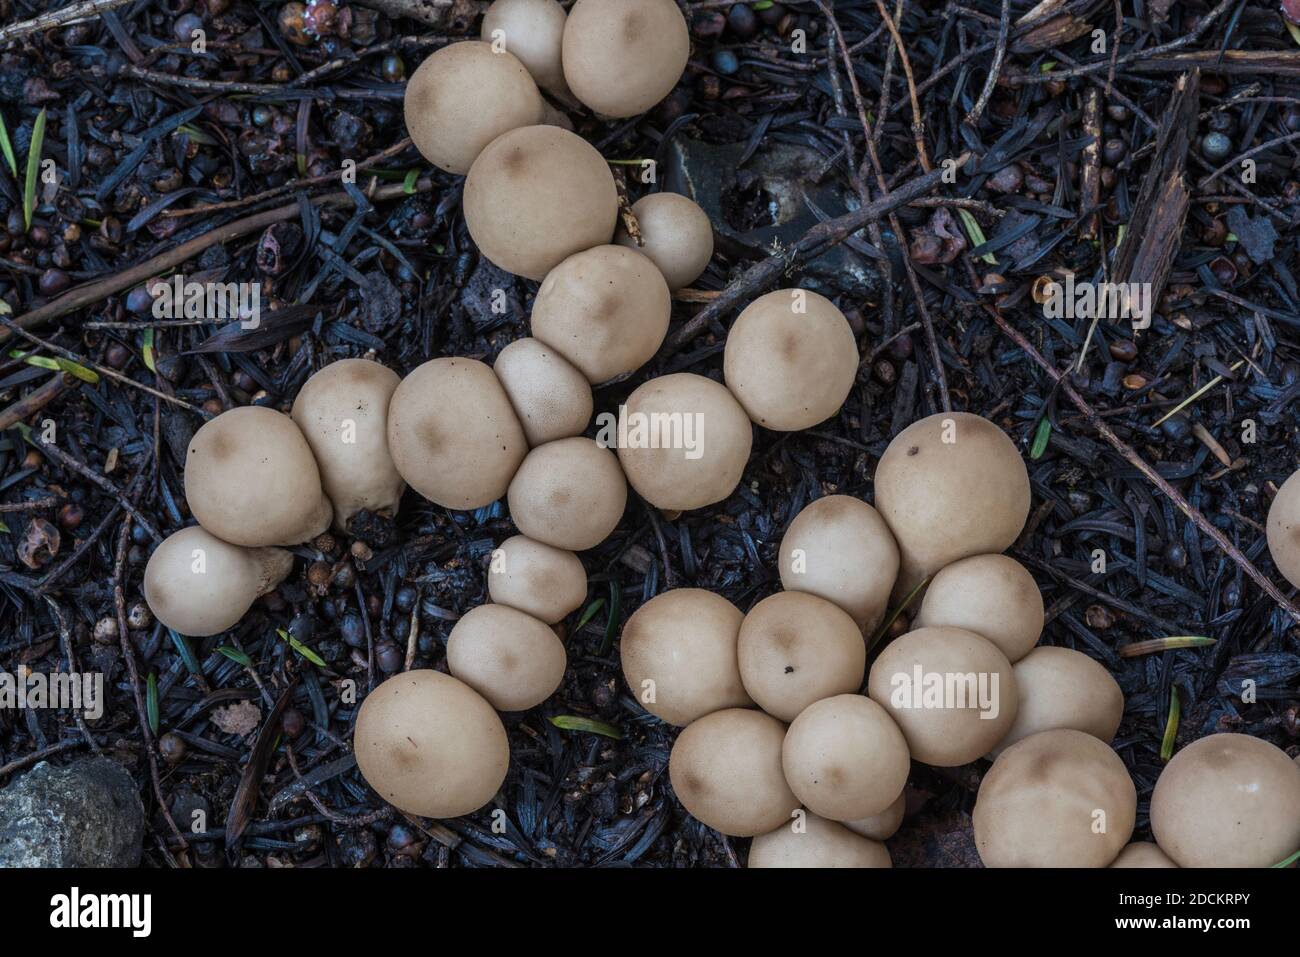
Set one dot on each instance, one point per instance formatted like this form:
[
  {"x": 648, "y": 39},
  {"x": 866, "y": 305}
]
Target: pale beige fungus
[
  {"x": 550, "y": 396},
  {"x": 991, "y": 595},
  {"x": 621, "y": 57},
  {"x": 538, "y": 579},
  {"x": 676, "y": 236},
  {"x": 569, "y": 493},
  {"x": 512, "y": 659},
  {"x": 815, "y": 842}
]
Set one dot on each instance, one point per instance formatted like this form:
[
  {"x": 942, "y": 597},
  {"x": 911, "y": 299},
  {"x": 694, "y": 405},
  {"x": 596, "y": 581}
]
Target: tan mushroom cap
[
  {"x": 1063, "y": 688},
  {"x": 790, "y": 359},
  {"x": 951, "y": 692},
  {"x": 604, "y": 309},
  {"x": 453, "y": 435},
  {"x": 725, "y": 768},
  {"x": 811, "y": 841},
  {"x": 950, "y": 486},
  {"x": 1283, "y": 529},
  {"x": 464, "y": 96},
  {"x": 1227, "y": 800},
  {"x": 844, "y": 758},
  {"x": 991, "y": 595},
  {"x": 430, "y": 745},
  {"x": 840, "y": 549},
  {"x": 1142, "y": 854},
  {"x": 533, "y": 30},
  {"x": 706, "y": 467},
  {"x": 342, "y": 411},
  {"x": 550, "y": 396},
  {"x": 882, "y": 826},
  {"x": 679, "y": 655},
  {"x": 569, "y": 493},
  {"x": 1056, "y": 799},
  {"x": 536, "y": 196},
  {"x": 251, "y": 479},
  {"x": 510, "y": 658},
  {"x": 545, "y": 582},
  {"x": 621, "y": 57},
  {"x": 795, "y": 649},
  {"x": 199, "y": 585},
  {"x": 676, "y": 236}
]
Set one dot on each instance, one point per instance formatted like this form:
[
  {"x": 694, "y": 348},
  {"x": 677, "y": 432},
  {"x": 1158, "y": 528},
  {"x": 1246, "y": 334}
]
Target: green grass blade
[
  {"x": 33, "y": 168},
  {"x": 151, "y": 704},
  {"x": 8, "y": 148},
  {"x": 237, "y": 656},
  {"x": 1171, "y": 726},
  {"x": 302, "y": 649},
  {"x": 1040, "y": 438},
  {"x": 571, "y": 722}
]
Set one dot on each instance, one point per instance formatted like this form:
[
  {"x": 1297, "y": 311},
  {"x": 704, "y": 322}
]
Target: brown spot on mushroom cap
[
  {"x": 621, "y": 57},
  {"x": 991, "y": 595},
  {"x": 676, "y": 236},
  {"x": 569, "y": 493},
  {"x": 812, "y": 841},
  {"x": 1063, "y": 688},
  {"x": 1283, "y": 529},
  {"x": 512, "y": 659},
  {"x": 545, "y": 582}
]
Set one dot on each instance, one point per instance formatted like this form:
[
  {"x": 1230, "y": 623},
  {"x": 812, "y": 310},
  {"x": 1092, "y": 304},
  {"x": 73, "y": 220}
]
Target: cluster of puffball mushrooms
[{"x": 779, "y": 740}]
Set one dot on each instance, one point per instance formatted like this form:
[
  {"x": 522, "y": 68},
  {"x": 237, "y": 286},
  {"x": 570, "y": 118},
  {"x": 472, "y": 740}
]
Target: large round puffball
[
  {"x": 538, "y": 579},
  {"x": 950, "y": 486},
  {"x": 951, "y": 692},
  {"x": 569, "y": 493},
  {"x": 812, "y": 841},
  {"x": 550, "y": 396},
  {"x": 1064, "y": 688},
  {"x": 679, "y": 655},
  {"x": 790, "y": 359},
  {"x": 1283, "y": 529},
  {"x": 430, "y": 745},
  {"x": 725, "y": 768},
  {"x": 1227, "y": 800},
  {"x": 840, "y": 549},
  {"x": 533, "y": 30},
  {"x": 463, "y": 97},
  {"x": 991, "y": 595},
  {"x": 676, "y": 236},
  {"x": 1142, "y": 854},
  {"x": 536, "y": 196},
  {"x": 621, "y": 57},
  {"x": 512, "y": 659},
  {"x": 1056, "y": 799}
]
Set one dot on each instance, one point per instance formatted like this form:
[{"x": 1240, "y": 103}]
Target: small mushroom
[
  {"x": 1227, "y": 800},
  {"x": 537, "y": 195},
  {"x": 679, "y": 655},
  {"x": 605, "y": 309},
  {"x": 795, "y": 649},
  {"x": 533, "y": 30},
  {"x": 463, "y": 97},
  {"x": 950, "y": 486},
  {"x": 1142, "y": 854},
  {"x": 951, "y": 692},
  {"x": 811, "y": 841},
  {"x": 676, "y": 235},
  {"x": 725, "y": 768},
  {"x": 251, "y": 479},
  {"x": 844, "y": 758},
  {"x": 1063, "y": 688},
  {"x": 991, "y": 595},
  {"x": 430, "y": 745},
  {"x": 1283, "y": 529},
  {"x": 621, "y": 57},
  {"x": 547, "y": 583},
  {"x": 569, "y": 493},
  {"x": 453, "y": 435},
  {"x": 198, "y": 585},
  {"x": 882, "y": 826},
  {"x": 550, "y": 396},
  {"x": 510, "y": 658},
  {"x": 840, "y": 549},
  {"x": 702, "y": 467},
  {"x": 342, "y": 411},
  {"x": 790, "y": 359}
]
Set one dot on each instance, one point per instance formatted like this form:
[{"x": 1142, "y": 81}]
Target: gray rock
[{"x": 87, "y": 814}]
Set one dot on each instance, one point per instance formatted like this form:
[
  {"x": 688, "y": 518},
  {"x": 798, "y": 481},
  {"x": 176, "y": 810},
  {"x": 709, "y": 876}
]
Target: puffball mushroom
[
  {"x": 1063, "y": 688},
  {"x": 536, "y": 196},
  {"x": 569, "y": 493},
  {"x": 679, "y": 655},
  {"x": 840, "y": 549},
  {"x": 198, "y": 585},
  {"x": 1056, "y": 799},
  {"x": 795, "y": 649},
  {"x": 550, "y": 396},
  {"x": 463, "y": 97},
  {"x": 844, "y": 758},
  {"x": 706, "y": 465},
  {"x": 950, "y": 486},
  {"x": 882, "y": 826},
  {"x": 1142, "y": 854},
  {"x": 251, "y": 479},
  {"x": 533, "y": 31},
  {"x": 453, "y": 435},
  {"x": 512, "y": 659},
  {"x": 1283, "y": 529},
  {"x": 991, "y": 595},
  {"x": 604, "y": 309},
  {"x": 545, "y": 582},
  {"x": 811, "y": 841},
  {"x": 676, "y": 236},
  {"x": 342, "y": 411},
  {"x": 790, "y": 359},
  {"x": 621, "y": 57},
  {"x": 725, "y": 768},
  {"x": 1227, "y": 800},
  {"x": 951, "y": 692}
]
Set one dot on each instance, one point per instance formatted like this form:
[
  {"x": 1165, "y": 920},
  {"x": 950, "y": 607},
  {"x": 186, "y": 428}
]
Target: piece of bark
[
  {"x": 436, "y": 13},
  {"x": 1058, "y": 22},
  {"x": 1090, "y": 170}
]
